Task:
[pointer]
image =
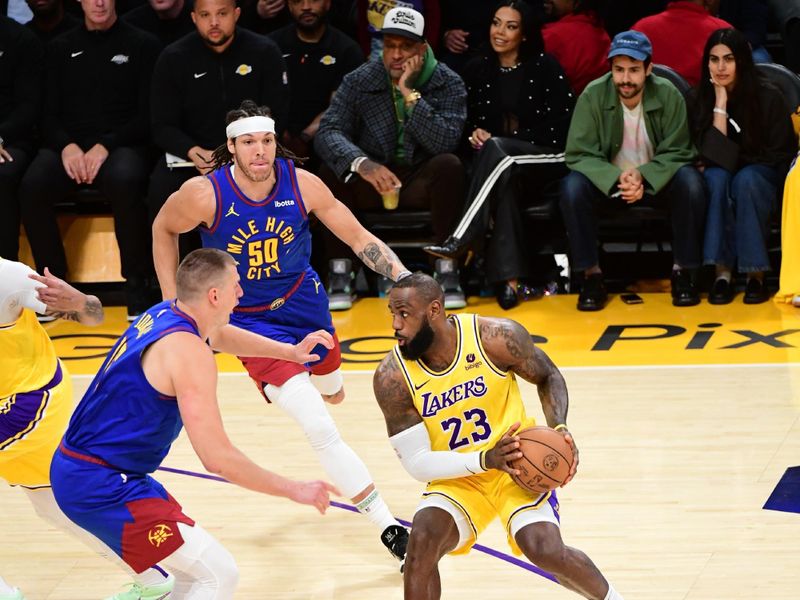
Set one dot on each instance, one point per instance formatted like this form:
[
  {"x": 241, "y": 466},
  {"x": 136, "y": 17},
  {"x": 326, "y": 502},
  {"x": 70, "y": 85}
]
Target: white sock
[
  {"x": 374, "y": 508},
  {"x": 612, "y": 593}
]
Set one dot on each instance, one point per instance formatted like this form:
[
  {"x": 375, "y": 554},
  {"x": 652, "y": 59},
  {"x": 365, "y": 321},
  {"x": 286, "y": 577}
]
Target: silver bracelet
[
  {"x": 720, "y": 111},
  {"x": 402, "y": 275}
]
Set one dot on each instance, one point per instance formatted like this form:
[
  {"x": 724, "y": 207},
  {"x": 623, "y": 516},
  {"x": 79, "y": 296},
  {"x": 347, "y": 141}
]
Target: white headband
[{"x": 250, "y": 125}]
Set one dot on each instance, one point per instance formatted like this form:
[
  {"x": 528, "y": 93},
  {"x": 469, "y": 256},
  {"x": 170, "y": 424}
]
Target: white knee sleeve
[
  {"x": 302, "y": 401},
  {"x": 203, "y": 568},
  {"x": 329, "y": 384}
]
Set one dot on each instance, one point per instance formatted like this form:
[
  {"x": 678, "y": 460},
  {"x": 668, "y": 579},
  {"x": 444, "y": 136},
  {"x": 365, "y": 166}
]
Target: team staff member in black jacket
[
  {"x": 197, "y": 80},
  {"x": 21, "y": 56},
  {"x": 95, "y": 134}
]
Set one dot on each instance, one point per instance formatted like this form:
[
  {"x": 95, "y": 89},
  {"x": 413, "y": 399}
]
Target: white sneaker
[{"x": 162, "y": 591}]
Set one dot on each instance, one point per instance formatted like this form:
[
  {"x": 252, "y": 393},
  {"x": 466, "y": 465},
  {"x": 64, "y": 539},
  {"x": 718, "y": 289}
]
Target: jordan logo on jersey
[
  {"x": 260, "y": 245},
  {"x": 433, "y": 403},
  {"x": 232, "y": 211}
]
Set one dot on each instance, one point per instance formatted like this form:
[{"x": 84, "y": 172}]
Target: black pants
[
  {"x": 11, "y": 173},
  {"x": 122, "y": 179},
  {"x": 163, "y": 182},
  {"x": 436, "y": 185},
  {"x": 684, "y": 196},
  {"x": 508, "y": 174}
]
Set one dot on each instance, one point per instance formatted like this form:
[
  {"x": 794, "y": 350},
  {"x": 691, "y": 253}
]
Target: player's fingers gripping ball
[{"x": 546, "y": 459}]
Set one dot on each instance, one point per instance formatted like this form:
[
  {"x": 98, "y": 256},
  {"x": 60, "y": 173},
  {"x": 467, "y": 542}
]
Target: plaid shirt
[{"x": 362, "y": 120}]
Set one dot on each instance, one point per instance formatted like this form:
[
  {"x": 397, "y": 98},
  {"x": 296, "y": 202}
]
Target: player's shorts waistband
[
  {"x": 84, "y": 457},
  {"x": 276, "y": 303}
]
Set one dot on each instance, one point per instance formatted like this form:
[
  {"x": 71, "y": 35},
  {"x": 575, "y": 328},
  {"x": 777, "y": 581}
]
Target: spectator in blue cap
[{"x": 629, "y": 144}]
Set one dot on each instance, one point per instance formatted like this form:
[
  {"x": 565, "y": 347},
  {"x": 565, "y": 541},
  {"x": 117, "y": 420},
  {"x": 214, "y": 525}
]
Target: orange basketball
[{"x": 546, "y": 459}]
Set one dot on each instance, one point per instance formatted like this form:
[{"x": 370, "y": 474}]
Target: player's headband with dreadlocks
[{"x": 250, "y": 125}]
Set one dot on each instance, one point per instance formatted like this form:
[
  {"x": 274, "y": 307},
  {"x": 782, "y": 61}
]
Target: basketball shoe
[
  {"x": 395, "y": 538},
  {"x": 161, "y": 591}
]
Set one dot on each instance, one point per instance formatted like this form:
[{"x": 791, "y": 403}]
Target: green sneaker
[
  {"x": 153, "y": 592},
  {"x": 16, "y": 594}
]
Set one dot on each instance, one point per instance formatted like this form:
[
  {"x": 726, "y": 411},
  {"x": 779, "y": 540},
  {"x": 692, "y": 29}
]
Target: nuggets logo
[
  {"x": 328, "y": 60},
  {"x": 550, "y": 462},
  {"x": 244, "y": 69},
  {"x": 159, "y": 534}
]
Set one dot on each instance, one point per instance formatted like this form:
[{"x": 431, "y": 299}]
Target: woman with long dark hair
[
  {"x": 742, "y": 127},
  {"x": 519, "y": 104}
]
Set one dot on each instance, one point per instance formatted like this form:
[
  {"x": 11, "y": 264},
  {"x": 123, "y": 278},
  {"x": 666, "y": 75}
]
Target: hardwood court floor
[{"x": 676, "y": 464}]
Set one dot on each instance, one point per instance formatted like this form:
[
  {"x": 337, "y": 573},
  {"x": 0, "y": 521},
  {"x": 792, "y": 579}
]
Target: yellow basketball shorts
[{"x": 31, "y": 427}]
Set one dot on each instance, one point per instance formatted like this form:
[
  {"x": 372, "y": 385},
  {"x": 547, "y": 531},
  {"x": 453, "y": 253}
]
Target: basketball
[{"x": 546, "y": 459}]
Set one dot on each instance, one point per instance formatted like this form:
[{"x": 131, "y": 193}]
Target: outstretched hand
[
  {"x": 302, "y": 351},
  {"x": 314, "y": 493},
  {"x": 505, "y": 450}
]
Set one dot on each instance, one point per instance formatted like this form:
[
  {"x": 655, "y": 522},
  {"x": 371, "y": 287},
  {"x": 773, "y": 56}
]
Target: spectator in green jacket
[{"x": 629, "y": 144}]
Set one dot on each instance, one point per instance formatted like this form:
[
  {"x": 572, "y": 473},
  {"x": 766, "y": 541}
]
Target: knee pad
[{"x": 329, "y": 384}]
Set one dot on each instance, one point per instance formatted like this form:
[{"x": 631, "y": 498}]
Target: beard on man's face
[{"x": 415, "y": 347}]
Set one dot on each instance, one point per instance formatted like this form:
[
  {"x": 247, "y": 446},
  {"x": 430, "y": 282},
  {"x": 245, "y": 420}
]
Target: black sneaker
[
  {"x": 395, "y": 538},
  {"x": 593, "y": 295},
  {"x": 340, "y": 284},
  {"x": 684, "y": 291},
  {"x": 446, "y": 273}
]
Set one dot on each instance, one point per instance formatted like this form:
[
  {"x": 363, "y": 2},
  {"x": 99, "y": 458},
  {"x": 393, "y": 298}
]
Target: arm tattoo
[
  {"x": 515, "y": 346},
  {"x": 380, "y": 258},
  {"x": 72, "y": 315},
  {"x": 93, "y": 310},
  {"x": 394, "y": 398}
]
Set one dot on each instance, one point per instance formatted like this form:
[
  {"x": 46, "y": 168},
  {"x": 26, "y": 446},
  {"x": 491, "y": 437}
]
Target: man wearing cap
[
  {"x": 394, "y": 124},
  {"x": 628, "y": 144}
]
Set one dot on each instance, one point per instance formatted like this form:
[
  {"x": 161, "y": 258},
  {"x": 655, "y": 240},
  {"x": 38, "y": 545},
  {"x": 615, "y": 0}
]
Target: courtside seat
[{"x": 399, "y": 228}]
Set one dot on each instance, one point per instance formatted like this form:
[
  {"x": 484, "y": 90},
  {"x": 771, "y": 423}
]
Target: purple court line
[{"x": 479, "y": 547}]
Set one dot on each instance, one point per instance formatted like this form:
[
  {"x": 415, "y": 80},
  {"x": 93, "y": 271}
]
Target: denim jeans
[
  {"x": 684, "y": 195},
  {"x": 739, "y": 210}
]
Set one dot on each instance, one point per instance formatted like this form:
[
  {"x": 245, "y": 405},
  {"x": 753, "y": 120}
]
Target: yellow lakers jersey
[
  {"x": 27, "y": 356},
  {"x": 470, "y": 404}
]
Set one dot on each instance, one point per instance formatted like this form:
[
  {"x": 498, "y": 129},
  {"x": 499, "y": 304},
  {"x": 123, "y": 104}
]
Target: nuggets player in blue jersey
[
  {"x": 161, "y": 376},
  {"x": 452, "y": 406},
  {"x": 35, "y": 387},
  {"x": 256, "y": 206}
]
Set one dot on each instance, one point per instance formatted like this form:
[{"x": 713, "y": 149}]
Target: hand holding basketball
[
  {"x": 549, "y": 459},
  {"x": 505, "y": 450}
]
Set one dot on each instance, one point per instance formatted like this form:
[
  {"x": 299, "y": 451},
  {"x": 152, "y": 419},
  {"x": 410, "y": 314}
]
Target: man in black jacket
[
  {"x": 21, "y": 56},
  {"x": 196, "y": 81},
  {"x": 94, "y": 134}
]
